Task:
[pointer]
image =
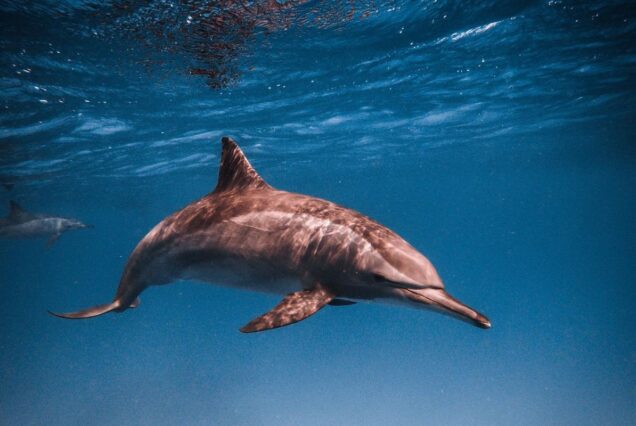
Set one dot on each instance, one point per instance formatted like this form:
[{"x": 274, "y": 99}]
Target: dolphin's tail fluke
[
  {"x": 89, "y": 312},
  {"x": 444, "y": 303},
  {"x": 96, "y": 311}
]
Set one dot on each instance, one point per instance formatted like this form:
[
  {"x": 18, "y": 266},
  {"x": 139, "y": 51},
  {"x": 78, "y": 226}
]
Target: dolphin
[
  {"x": 249, "y": 235},
  {"x": 21, "y": 224}
]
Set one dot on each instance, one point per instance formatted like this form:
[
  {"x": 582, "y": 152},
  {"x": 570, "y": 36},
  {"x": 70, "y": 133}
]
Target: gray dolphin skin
[
  {"x": 249, "y": 235},
  {"x": 21, "y": 224}
]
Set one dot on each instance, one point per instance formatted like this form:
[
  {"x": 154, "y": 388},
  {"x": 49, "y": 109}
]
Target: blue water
[{"x": 497, "y": 137}]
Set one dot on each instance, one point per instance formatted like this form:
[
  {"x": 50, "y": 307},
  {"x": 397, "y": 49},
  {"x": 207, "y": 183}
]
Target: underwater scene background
[{"x": 497, "y": 137}]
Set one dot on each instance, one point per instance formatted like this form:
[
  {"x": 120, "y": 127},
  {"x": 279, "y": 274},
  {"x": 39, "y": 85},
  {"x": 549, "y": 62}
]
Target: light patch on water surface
[
  {"x": 338, "y": 119},
  {"x": 437, "y": 118},
  {"x": 103, "y": 126},
  {"x": 447, "y": 116},
  {"x": 41, "y": 126},
  {"x": 165, "y": 166},
  {"x": 344, "y": 118},
  {"x": 309, "y": 130},
  {"x": 477, "y": 30}
]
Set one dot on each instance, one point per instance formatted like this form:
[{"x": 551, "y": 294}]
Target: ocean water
[{"x": 498, "y": 138}]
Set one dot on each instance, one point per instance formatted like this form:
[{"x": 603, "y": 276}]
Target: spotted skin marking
[{"x": 293, "y": 308}]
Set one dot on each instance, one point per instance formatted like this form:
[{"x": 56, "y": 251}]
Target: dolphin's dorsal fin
[
  {"x": 17, "y": 213},
  {"x": 236, "y": 172}
]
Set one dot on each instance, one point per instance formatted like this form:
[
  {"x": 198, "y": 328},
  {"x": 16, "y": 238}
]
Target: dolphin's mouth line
[
  {"x": 411, "y": 287},
  {"x": 421, "y": 296},
  {"x": 460, "y": 311},
  {"x": 403, "y": 285}
]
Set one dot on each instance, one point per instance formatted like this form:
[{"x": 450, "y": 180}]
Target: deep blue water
[{"x": 497, "y": 137}]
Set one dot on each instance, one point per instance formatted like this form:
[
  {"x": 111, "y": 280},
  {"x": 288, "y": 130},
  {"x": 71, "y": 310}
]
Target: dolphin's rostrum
[{"x": 247, "y": 234}]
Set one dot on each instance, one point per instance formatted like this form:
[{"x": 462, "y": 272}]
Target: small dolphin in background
[
  {"x": 249, "y": 235},
  {"x": 22, "y": 224}
]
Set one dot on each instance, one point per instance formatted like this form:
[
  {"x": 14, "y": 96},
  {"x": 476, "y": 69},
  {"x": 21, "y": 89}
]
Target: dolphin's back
[
  {"x": 264, "y": 228},
  {"x": 264, "y": 225}
]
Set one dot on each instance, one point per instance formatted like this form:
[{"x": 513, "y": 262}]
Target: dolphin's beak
[{"x": 443, "y": 302}]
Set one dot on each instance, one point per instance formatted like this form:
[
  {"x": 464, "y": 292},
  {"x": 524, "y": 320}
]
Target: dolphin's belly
[
  {"x": 239, "y": 273},
  {"x": 26, "y": 230}
]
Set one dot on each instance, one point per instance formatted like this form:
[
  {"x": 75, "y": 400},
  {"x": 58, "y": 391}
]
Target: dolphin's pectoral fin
[
  {"x": 135, "y": 303},
  {"x": 341, "y": 302},
  {"x": 293, "y": 308},
  {"x": 89, "y": 312},
  {"x": 52, "y": 239}
]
